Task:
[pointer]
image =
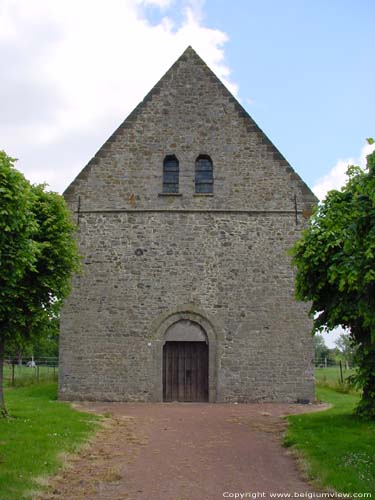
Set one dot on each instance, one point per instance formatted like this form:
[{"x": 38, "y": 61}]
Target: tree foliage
[
  {"x": 321, "y": 351},
  {"x": 43, "y": 288},
  {"x": 37, "y": 256},
  {"x": 335, "y": 260},
  {"x": 43, "y": 345},
  {"x": 18, "y": 250},
  {"x": 346, "y": 347}
]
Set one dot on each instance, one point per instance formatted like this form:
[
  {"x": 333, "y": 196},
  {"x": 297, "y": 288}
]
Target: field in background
[
  {"x": 331, "y": 375},
  {"x": 21, "y": 375},
  {"x": 46, "y": 370}
]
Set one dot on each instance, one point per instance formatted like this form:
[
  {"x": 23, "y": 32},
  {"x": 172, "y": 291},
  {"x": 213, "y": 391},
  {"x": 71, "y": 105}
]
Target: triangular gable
[{"x": 251, "y": 126}]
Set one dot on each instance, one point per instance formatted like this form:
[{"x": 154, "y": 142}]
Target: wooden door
[{"x": 185, "y": 371}]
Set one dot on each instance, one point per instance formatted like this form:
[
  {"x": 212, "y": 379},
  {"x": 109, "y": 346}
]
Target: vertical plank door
[{"x": 185, "y": 371}]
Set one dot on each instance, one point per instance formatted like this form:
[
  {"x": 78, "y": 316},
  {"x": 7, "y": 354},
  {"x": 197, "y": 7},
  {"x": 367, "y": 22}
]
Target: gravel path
[{"x": 183, "y": 451}]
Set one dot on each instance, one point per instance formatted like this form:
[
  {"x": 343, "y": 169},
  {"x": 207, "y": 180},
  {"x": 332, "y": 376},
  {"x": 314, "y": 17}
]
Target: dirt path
[{"x": 182, "y": 451}]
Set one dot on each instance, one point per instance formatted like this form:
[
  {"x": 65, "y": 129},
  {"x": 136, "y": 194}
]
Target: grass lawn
[
  {"x": 338, "y": 447},
  {"x": 40, "y": 428},
  {"x": 23, "y": 375},
  {"x": 331, "y": 376}
]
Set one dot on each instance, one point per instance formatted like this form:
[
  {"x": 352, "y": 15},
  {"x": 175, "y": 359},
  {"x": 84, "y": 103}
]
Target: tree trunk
[
  {"x": 3, "y": 410},
  {"x": 365, "y": 376},
  {"x": 366, "y": 407},
  {"x": 19, "y": 357}
]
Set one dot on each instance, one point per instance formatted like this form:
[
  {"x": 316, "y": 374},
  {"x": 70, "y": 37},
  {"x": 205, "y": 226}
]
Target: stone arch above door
[
  {"x": 185, "y": 330},
  {"x": 159, "y": 335}
]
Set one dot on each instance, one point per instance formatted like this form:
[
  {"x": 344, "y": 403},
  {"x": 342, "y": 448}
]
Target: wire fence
[
  {"x": 331, "y": 371},
  {"x": 27, "y": 371},
  {"x": 326, "y": 362}
]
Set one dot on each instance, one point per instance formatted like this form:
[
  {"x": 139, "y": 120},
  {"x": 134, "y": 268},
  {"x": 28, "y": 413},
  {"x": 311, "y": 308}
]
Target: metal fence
[
  {"x": 330, "y": 370},
  {"x": 26, "y": 371},
  {"x": 325, "y": 362}
]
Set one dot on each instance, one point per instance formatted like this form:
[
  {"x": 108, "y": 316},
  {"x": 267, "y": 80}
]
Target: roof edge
[
  {"x": 127, "y": 123},
  {"x": 251, "y": 125}
]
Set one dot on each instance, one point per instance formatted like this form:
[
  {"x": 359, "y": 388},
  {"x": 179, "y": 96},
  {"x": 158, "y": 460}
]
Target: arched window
[
  {"x": 170, "y": 174},
  {"x": 204, "y": 179}
]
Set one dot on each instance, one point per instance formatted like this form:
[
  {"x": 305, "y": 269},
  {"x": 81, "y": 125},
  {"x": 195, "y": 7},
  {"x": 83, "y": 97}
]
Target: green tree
[
  {"x": 320, "y": 349},
  {"x": 346, "y": 347},
  {"x": 45, "y": 344},
  {"x": 335, "y": 260},
  {"x": 38, "y": 254},
  {"x": 18, "y": 251}
]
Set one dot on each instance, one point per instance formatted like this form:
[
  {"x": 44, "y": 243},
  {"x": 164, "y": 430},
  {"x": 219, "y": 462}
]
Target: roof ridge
[
  {"x": 127, "y": 123},
  {"x": 251, "y": 125}
]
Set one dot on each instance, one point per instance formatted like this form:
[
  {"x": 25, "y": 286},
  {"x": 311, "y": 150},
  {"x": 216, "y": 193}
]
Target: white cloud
[
  {"x": 337, "y": 177},
  {"x": 76, "y": 68},
  {"x": 331, "y": 336},
  {"x": 366, "y": 150},
  {"x": 162, "y": 4}
]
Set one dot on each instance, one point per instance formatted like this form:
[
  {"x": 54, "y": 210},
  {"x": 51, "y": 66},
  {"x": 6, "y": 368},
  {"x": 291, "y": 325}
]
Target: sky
[{"x": 72, "y": 70}]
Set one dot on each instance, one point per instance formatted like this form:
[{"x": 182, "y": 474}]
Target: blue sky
[
  {"x": 305, "y": 73},
  {"x": 303, "y": 69},
  {"x": 74, "y": 69}
]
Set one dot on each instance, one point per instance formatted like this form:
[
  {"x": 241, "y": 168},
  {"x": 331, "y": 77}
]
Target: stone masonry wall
[
  {"x": 146, "y": 254},
  {"x": 189, "y": 113},
  {"x": 234, "y": 267}
]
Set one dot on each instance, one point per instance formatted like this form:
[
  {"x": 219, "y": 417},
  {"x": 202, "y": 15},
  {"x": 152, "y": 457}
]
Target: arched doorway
[{"x": 185, "y": 363}]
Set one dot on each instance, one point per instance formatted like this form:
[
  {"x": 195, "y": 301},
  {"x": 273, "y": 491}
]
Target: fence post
[
  {"x": 325, "y": 362},
  {"x": 342, "y": 378},
  {"x": 12, "y": 374},
  {"x": 37, "y": 373}
]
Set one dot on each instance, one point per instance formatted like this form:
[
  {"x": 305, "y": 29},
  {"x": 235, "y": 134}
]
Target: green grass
[
  {"x": 40, "y": 428},
  {"x": 338, "y": 447},
  {"x": 331, "y": 374},
  {"x": 24, "y": 375}
]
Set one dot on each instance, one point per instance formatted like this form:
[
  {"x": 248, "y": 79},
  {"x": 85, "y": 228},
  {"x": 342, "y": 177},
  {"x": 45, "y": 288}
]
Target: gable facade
[{"x": 185, "y": 217}]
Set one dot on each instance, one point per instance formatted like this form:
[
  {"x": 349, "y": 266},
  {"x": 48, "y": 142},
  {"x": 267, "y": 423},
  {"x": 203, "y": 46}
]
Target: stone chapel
[{"x": 184, "y": 220}]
